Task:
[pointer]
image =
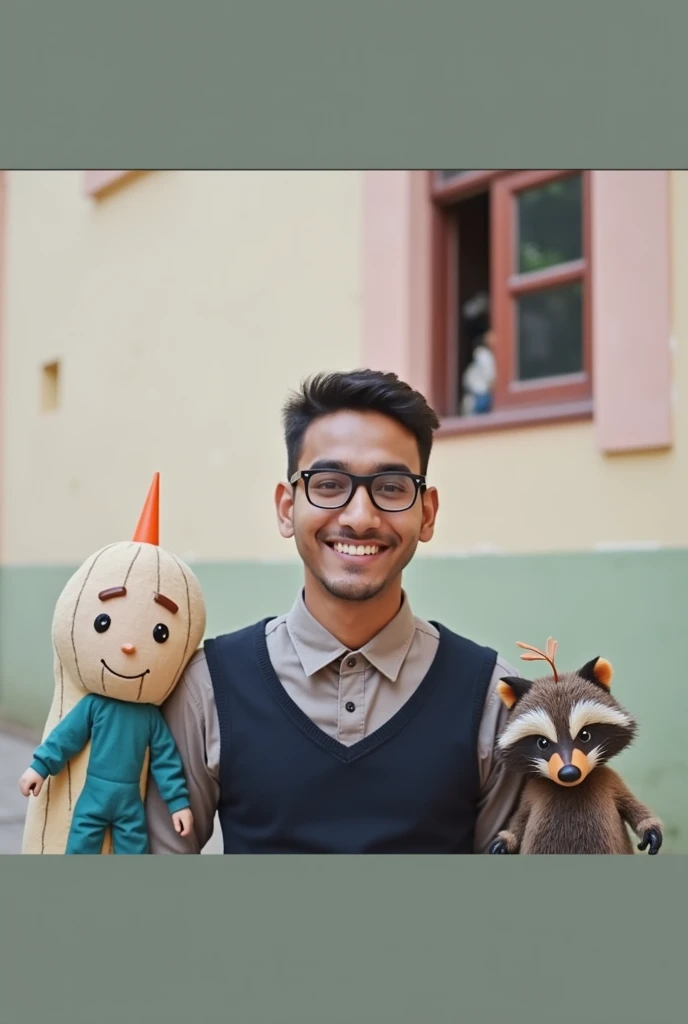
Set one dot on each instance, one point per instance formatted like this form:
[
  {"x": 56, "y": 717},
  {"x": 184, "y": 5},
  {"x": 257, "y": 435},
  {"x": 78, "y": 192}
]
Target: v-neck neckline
[{"x": 332, "y": 746}]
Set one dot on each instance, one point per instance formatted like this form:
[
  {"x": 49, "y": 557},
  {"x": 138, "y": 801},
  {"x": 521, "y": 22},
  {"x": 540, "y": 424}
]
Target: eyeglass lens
[{"x": 391, "y": 491}]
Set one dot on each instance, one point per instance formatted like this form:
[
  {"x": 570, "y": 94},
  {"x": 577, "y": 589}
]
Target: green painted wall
[{"x": 628, "y": 606}]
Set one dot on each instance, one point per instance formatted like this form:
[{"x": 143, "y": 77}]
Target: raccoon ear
[
  {"x": 512, "y": 688},
  {"x": 598, "y": 671}
]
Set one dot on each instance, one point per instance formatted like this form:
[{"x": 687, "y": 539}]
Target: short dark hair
[{"x": 358, "y": 390}]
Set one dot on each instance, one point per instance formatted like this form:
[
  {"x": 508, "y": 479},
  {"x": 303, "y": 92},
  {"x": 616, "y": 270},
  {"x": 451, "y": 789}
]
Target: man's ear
[
  {"x": 598, "y": 671},
  {"x": 284, "y": 506},
  {"x": 512, "y": 688},
  {"x": 430, "y": 503}
]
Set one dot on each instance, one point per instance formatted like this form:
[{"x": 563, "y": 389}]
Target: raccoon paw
[
  {"x": 498, "y": 846},
  {"x": 652, "y": 837}
]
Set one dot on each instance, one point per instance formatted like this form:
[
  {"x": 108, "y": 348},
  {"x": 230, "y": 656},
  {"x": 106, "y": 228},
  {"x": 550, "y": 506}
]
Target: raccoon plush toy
[{"x": 560, "y": 733}]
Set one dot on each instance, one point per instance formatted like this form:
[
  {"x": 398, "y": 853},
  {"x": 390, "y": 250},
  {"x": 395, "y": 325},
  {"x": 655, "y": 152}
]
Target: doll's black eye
[
  {"x": 584, "y": 736},
  {"x": 102, "y": 623},
  {"x": 542, "y": 743},
  {"x": 161, "y": 633}
]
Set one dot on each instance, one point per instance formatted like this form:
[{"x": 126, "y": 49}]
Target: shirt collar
[{"x": 316, "y": 647}]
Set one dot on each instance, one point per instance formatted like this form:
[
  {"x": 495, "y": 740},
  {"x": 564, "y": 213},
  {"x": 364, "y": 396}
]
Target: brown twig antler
[{"x": 537, "y": 655}]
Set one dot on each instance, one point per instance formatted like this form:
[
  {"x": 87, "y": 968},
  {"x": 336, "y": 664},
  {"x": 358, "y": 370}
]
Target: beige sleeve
[
  {"x": 192, "y": 717},
  {"x": 500, "y": 791}
]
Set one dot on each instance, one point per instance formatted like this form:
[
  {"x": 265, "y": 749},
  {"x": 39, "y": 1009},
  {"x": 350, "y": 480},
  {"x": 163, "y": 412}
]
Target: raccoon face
[{"x": 563, "y": 730}]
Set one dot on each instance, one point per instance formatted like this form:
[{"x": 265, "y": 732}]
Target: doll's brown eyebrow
[
  {"x": 166, "y": 602},
  {"x": 106, "y": 595}
]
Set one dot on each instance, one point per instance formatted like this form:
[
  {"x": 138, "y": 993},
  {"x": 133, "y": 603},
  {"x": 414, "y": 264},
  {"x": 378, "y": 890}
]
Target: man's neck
[{"x": 353, "y": 623}]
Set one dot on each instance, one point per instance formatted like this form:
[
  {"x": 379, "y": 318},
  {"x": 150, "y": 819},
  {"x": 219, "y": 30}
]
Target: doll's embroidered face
[
  {"x": 563, "y": 730},
  {"x": 128, "y": 621}
]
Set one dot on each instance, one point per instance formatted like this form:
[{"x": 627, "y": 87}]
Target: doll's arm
[
  {"x": 166, "y": 766},
  {"x": 509, "y": 839},
  {"x": 646, "y": 826},
  {"x": 66, "y": 740}
]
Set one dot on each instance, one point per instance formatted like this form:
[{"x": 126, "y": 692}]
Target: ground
[{"x": 15, "y": 757}]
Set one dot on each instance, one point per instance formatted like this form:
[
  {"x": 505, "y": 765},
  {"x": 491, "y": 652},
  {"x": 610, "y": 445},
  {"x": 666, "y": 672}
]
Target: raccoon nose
[{"x": 569, "y": 773}]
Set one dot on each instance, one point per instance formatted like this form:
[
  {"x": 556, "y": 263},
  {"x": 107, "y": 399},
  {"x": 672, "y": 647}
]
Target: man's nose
[
  {"x": 360, "y": 512},
  {"x": 128, "y": 649}
]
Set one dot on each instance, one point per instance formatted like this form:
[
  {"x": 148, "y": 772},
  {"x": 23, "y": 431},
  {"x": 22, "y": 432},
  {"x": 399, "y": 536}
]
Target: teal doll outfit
[{"x": 120, "y": 733}]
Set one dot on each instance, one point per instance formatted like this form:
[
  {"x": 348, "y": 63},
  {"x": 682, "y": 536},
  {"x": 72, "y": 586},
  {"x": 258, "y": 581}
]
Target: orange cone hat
[{"x": 148, "y": 526}]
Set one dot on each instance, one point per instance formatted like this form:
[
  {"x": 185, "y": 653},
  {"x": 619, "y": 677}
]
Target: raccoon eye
[
  {"x": 584, "y": 736},
  {"x": 543, "y": 742}
]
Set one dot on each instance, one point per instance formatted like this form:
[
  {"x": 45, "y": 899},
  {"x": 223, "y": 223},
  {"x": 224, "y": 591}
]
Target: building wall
[
  {"x": 183, "y": 306},
  {"x": 550, "y": 489}
]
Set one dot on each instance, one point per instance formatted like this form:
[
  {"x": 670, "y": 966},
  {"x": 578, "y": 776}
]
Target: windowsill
[{"x": 517, "y": 417}]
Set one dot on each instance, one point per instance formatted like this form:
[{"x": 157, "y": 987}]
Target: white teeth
[{"x": 351, "y": 549}]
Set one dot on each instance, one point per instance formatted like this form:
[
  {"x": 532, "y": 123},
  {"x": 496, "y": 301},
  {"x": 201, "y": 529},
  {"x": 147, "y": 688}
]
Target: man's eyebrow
[
  {"x": 381, "y": 467},
  {"x": 394, "y": 467},
  {"x": 166, "y": 602},
  {"x": 330, "y": 464},
  {"x": 106, "y": 595}
]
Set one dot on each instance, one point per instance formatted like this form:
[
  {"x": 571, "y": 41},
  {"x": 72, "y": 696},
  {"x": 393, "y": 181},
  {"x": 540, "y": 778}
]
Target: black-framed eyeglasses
[{"x": 333, "y": 488}]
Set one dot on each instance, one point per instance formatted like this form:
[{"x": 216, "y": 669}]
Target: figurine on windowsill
[
  {"x": 478, "y": 379},
  {"x": 124, "y": 627}
]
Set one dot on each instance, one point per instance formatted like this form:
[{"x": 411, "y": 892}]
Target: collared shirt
[{"x": 347, "y": 694}]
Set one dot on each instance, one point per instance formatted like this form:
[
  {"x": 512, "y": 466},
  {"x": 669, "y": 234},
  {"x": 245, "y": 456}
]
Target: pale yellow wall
[
  {"x": 548, "y": 488},
  {"x": 182, "y": 307}
]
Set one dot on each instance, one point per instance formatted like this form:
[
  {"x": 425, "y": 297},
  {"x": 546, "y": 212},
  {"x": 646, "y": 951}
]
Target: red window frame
[{"x": 513, "y": 401}]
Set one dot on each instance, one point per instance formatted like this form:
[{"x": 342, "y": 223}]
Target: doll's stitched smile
[{"x": 139, "y": 675}]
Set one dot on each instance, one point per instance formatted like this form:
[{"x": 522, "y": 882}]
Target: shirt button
[
  {"x": 351, "y": 662},
  {"x": 350, "y": 706}
]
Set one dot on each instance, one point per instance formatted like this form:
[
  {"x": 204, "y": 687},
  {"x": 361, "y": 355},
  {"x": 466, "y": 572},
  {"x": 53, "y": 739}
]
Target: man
[{"x": 347, "y": 725}]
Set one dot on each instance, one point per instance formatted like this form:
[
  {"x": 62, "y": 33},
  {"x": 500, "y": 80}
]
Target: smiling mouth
[
  {"x": 139, "y": 675},
  {"x": 356, "y": 550}
]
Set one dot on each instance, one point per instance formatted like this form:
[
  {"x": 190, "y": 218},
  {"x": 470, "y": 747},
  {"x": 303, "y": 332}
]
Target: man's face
[{"x": 363, "y": 443}]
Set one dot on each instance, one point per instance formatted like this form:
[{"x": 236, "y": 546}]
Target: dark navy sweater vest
[{"x": 411, "y": 786}]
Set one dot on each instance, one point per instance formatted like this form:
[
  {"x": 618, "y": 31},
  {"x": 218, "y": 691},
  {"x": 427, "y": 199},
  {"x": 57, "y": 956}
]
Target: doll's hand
[
  {"x": 31, "y": 782},
  {"x": 652, "y": 837},
  {"x": 183, "y": 821},
  {"x": 498, "y": 846}
]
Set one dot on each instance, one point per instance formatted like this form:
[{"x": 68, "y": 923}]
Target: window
[{"x": 511, "y": 296}]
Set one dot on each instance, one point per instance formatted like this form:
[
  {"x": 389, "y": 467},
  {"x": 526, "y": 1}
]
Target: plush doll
[
  {"x": 559, "y": 735},
  {"x": 124, "y": 628}
]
